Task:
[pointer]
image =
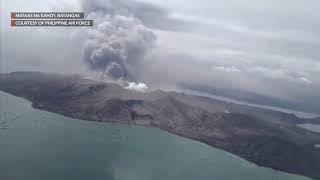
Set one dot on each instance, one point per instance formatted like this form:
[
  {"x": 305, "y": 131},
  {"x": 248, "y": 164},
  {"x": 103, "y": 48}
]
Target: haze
[{"x": 268, "y": 47}]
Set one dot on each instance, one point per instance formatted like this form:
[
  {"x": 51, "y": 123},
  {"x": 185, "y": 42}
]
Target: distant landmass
[
  {"x": 265, "y": 137},
  {"x": 254, "y": 98}
]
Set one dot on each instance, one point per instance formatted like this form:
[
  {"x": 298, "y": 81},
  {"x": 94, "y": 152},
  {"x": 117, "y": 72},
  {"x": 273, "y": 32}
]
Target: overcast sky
[{"x": 265, "y": 46}]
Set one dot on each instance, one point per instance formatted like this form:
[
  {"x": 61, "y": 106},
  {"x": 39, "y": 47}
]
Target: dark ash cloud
[{"x": 118, "y": 42}]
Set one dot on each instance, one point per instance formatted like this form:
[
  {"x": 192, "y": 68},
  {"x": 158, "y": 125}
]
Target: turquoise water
[{"x": 38, "y": 145}]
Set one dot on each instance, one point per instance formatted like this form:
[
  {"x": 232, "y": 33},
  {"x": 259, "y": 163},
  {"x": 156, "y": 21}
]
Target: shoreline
[
  {"x": 264, "y": 137},
  {"x": 160, "y": 129}
]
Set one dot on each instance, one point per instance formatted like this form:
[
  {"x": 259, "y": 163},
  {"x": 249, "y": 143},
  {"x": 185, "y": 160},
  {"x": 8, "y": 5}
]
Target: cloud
[
  {"x": 280, "y": 74},
  {"x": 234, "y": 27},
  {"x": 141, "y": 87},
  {"x": 152, "y": 16},
  {"x": 118, "y": 42},
  {"x": 305, "y": 80},
  {"x": 164, "y": 43},
  {"x": 226, "y": 69}
]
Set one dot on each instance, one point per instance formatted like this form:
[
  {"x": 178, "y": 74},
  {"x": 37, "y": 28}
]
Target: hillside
[{"x": 265, "y": 137}]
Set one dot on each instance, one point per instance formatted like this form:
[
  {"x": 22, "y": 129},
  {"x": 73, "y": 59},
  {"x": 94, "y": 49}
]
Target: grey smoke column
[{"x": 118, "y": 42}]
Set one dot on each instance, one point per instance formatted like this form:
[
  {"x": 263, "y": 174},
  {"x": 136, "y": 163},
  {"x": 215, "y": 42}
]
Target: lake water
[
  {"x": 234, "y": 101},
  {"x": 38, "y": 145},
  {"x": 310, "y": 127}
]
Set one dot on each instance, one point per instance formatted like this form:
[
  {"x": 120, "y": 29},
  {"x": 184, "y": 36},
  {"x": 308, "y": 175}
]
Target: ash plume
[{"x": 118, "y": 42}]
